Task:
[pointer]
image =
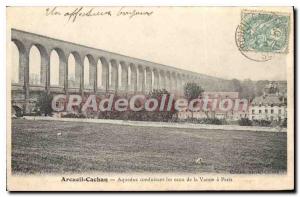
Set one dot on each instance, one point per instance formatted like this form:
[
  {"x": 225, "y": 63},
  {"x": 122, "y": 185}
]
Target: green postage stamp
[{"x": 264, "y": 31}]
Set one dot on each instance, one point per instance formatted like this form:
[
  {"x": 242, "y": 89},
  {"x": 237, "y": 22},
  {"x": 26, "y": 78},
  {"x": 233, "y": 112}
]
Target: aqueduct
[{"x": 119, "y": 73}]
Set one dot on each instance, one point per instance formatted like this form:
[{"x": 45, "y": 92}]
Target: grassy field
[{"x": 37, "y": 147}]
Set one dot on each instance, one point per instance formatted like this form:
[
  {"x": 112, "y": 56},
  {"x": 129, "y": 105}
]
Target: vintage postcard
[{"x": 150, "y": 98}]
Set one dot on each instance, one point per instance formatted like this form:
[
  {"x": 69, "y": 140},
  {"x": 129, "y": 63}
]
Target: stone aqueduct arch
[{"x": 145, "y": 76}]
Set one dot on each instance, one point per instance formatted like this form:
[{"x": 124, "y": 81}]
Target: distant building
[
  {"x": 221, "y": 95},
  {"x": 272, "y": 105},
  {"x": 228, "y": 115},
  {"x": 217, "y": 112}
]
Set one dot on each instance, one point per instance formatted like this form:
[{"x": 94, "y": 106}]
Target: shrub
[
  {"x": 215, "y": 121},
  {"x": 284, "y": 123},
  {"x": 73, "y": 115},
  {"x": 44, "y": 104},
  {"x": 245, "y": 122},
  {"x": 262, "y": 123},
  {"x": 18, "y": 111}
]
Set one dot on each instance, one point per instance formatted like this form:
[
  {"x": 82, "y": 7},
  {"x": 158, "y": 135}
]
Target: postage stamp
[{"x": 264, "y": 33}]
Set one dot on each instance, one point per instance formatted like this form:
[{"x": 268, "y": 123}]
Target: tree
[
  {"x": 192, "y": 91},
  {"x": 237, "y": 87},
  {"x": 44, "y": 104},
  {"x": 245, "y": 122},
  {"x": 248, "y": 89},
  {"x": 165, "y": 115},
  {"x": 259, "y": 87}
]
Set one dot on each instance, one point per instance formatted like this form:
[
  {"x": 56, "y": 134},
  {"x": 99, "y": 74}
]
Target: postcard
[{"x": 150, "y": 98}]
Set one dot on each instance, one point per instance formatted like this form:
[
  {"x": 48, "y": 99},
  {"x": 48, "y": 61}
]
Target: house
[{"x": 272, "y": 105}]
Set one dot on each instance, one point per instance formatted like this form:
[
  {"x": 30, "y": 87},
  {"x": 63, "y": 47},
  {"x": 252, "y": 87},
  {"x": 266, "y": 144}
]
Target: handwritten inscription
[{"x": 75, "y": 13}]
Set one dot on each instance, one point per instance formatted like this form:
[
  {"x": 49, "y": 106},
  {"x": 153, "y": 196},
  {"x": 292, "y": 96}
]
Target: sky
[{"x": 196, "y": 39}]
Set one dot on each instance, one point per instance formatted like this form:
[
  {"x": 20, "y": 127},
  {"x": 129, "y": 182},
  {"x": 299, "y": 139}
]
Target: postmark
[{"x": 261, "y": 35}]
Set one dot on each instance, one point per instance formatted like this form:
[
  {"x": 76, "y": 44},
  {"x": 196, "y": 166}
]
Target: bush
[
  {"x": 245, "y": 122},
  {"x": 143, "y": 115},
  {"x": 214, "y": 121},
  {"x": 284, "y": 123},
  {"x": 73, "y": 115},
  {"x": 44, "y": 104},
  {"x": 18, "y": 111},
  {"x": 262, "y": 123}
]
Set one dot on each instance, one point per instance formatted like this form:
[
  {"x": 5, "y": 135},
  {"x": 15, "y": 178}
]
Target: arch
[
  {"x": 124, "y": 76},
  {"x": 119, "y": 76},
  {"x": 173, "y": 81},
  {"x": 109, "y": 75},
  {"x": 179, "y": 84},
  {"x": 39, "y": 60},
  {"x": 63, "y": 69},
  {"x": 71, "y": 71},
  {"x": 15, "y": 63},
  {"x": 156, "y": 79},
  {"x": 54, "y": 68},
  {"x": 148, "y": 79},
  {"x": 141, "y": 79},
  {"x": 105, "y": 73},
  {"x": 129, "y": 77},
  {"x": 114, "y": 75},
  {"x": 23, "y": 61},
  {"x": 99, "y": 74},
  {"x": 133, "y": 77},
  {"x": 86, "y": 71},
  {"x": 20, "y": 45},
  {"x": 168, "y": 81},
  {"x": 74, "y": 70},
  {"x": 89, "y": 72},
  {"x": 162, "y": 80},
  {"x": 35, "y": 70}
]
